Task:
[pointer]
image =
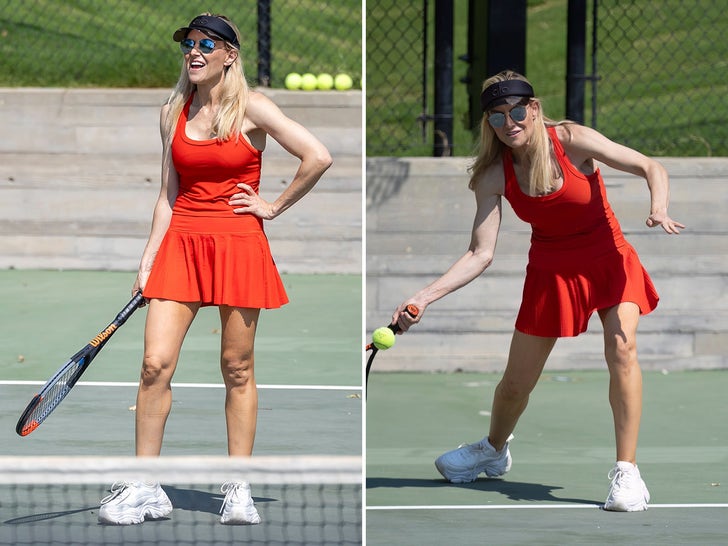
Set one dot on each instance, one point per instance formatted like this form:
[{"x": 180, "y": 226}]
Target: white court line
[
  {"x": 532, "y": 506},
  {"x": 195, "y": 385}
]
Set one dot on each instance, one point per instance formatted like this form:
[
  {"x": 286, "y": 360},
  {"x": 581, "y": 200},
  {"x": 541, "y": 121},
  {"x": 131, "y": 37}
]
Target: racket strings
[{"x": 55, "y": 394}]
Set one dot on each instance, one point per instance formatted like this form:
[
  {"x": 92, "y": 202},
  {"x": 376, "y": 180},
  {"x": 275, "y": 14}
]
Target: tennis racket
[
  {"x": 58, "y": 386},
  {"x": 413, "y": 312}
]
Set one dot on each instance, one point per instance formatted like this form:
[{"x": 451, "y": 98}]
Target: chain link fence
[
  {"x": 63, "y": 43},
  {"x": 663, "y": 75},
  {"x": 396, "y": 63}
]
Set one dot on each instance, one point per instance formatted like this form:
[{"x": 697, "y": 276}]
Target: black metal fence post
[
  {"x": 576, "y": 60},
  {"x": 476, "y": 59},
  {"x": 264, "y": 44},
  {"x": 444, "y": 22},
  {"x": 506, "y": 33}
]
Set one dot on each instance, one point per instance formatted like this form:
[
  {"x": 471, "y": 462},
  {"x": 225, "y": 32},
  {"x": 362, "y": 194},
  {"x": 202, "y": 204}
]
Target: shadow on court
[
  {"x": 35, "y": 518},
  {"x": 514, "y": 491},
  {"x": 195, "y": 500}
]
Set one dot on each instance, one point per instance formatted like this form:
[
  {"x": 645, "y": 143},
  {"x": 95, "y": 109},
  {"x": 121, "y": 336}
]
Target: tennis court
[
  {"x": 308, "y": 367},
  {"x": 562, "y": 452}
]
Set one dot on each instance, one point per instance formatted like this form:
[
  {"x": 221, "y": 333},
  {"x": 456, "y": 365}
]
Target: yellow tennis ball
[
  {"x": 293, "y": 81},
  {"x": 383, "y": 338},
  {"x": 342, "y": 82},
  {"x": 325, "y": 81},
  {"x": 308, "y": 82}
]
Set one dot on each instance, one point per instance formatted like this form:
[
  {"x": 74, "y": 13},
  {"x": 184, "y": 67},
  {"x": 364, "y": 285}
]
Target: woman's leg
[
  {"x": 625, "y": 376},
  {"x": 526, "y": 360},
  {"x": 236, "y": 363},
  {"x": 166, "y": 326}
]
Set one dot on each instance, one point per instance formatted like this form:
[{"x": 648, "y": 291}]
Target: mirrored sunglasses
[
  {"x": 205, "y": 45},
  {"x": 498, "y": 119}
]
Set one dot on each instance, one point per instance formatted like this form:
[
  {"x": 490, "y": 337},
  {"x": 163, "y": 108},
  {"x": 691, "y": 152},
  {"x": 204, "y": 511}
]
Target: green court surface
[
  {"x": 562, "y": 452},
  {"x": 308, "y": 368},
  {"x": 47, "y": 316},
  {"x": 308, "y": 364}
]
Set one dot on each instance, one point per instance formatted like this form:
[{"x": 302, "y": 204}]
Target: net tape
[{"x": 191, "y": 470}]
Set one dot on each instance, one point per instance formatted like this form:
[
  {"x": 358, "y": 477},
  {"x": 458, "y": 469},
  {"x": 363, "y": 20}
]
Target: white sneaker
[
  {"x": 463, "y": 464},
  {"x": 133, "y": 502},
  {"x": 238, "y": 507},
  {"x": 628, "y": 492}
]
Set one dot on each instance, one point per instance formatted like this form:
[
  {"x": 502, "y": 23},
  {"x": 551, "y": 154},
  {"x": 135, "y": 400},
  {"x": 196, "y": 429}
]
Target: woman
[
  {"x": 579, "y": 262},
  {"x": 207, "y": 247}
]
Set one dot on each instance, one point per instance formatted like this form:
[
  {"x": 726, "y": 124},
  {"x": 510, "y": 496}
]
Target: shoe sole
[
  {"x": 239, "y": 522},
  {"x": 621, "y": 507},
  {"x": 472, "y": 477},
  {"x": 147, "y": 513}
]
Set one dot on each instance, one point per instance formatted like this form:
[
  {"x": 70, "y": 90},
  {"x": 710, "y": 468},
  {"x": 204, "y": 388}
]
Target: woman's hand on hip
[{"x": 247, "y": 201}]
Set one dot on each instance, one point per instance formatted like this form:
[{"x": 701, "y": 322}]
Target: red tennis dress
[
  {"x": 210, "y": 254},
  {"x": 579, "y": 260}
]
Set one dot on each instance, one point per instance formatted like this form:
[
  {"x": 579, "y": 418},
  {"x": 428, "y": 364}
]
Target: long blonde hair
[
  {"x": 228, "y": 122},
  {"x": 543, "y": 165}
]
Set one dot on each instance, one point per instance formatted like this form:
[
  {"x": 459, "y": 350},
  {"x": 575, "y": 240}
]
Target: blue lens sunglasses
[{"x": 205, "y": 45}]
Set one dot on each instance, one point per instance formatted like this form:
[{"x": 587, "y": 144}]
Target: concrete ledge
[
  {"x": 126, "y": 121},
  {"x": 80, "y": 169}
]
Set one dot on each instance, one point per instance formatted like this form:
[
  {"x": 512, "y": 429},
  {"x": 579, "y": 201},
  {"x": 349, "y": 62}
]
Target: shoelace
[
  {"x": 229, "y": 489},
  {"x": 619, "y": 477},
  {"x": 117, "y": 488}
]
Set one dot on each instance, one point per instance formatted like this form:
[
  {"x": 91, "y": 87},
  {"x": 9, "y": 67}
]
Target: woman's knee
[
  {"x": 156, "y": 370},
  {"x": 514, "y": 389},
  {"x": 621, "y": 352},
  {"x": 237, "y": 370}
]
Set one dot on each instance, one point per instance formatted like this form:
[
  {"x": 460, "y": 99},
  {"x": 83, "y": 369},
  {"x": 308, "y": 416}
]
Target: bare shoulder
[
  {"x": 580, "y": 137},
  {"x": 570, "y": 133},
  {"x": 256, "y": 98},
  {"x": 491, "y": 182},
  {"x": 564, "y": 133},
  {"x": 580, "y": 144},
  {"x": 260, "y": 105},
  {"x": 164, "y": 112}
]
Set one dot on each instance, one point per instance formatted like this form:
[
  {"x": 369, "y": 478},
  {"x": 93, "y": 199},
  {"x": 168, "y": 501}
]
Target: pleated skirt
[
  {"x": 216, "y": 261},
  {"x": 559, "y": 300}
]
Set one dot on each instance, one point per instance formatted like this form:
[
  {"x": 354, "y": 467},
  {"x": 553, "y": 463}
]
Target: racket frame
[{"x": 31, "y": 419}]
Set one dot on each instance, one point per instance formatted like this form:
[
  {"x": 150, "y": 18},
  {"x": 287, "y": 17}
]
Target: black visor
[
  {"x": 209, "y": 24},
  {"x": 500, "y": 92}
]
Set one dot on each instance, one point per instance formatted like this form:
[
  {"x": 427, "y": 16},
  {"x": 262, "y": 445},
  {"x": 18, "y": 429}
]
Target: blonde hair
[
  {"x": 543, "y": 169},
  {"x": 229, "y": 119}
]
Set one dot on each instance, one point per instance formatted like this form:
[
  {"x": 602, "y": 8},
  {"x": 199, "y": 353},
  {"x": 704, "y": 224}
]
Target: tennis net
[{"x": 301, "y": 500}]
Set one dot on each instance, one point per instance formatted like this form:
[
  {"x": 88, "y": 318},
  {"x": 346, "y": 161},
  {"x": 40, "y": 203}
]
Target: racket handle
[
  {"x": 132, "y": 306},
  {"x": 411, "y": 310}
]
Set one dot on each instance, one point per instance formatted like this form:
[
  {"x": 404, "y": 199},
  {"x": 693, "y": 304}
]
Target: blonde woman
[
  {"x": 207, "y": 247},
  {"x": 579, "y": 263}
]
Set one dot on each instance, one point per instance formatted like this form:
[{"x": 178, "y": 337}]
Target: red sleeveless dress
[
  {"x": 579, "y": 260},
  {"x": 210, "y": 254}
]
